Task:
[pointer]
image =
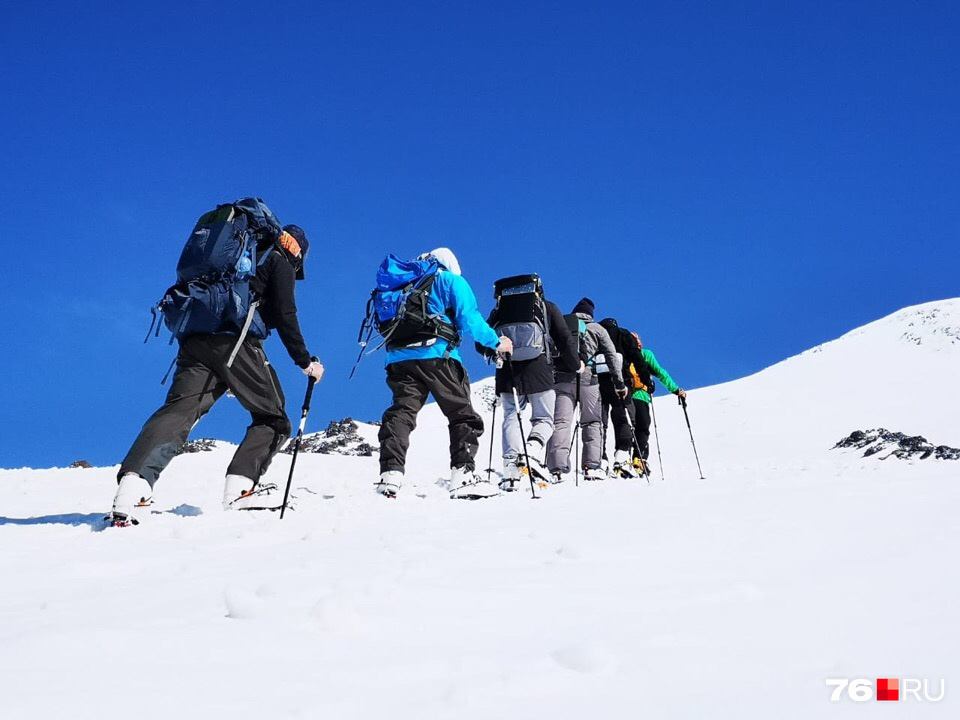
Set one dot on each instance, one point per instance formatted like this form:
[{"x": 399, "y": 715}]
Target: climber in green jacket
[{"x": 643, "y": 388}]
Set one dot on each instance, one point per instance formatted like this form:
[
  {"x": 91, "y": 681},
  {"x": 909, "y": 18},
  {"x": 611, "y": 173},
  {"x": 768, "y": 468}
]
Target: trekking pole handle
[{"x": 311, "y": 382}]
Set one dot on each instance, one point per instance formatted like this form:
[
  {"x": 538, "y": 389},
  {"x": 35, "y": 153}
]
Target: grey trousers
[
  {"x": 541, "y": 422},
  {"x": 558, "y": 451},
  {"x": 201, "y": 378}
]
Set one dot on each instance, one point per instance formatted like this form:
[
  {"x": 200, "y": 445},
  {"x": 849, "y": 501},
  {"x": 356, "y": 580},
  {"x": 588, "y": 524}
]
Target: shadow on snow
[{"x": 93, "y": 520}]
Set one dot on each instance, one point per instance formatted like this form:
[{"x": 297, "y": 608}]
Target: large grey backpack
[{"x": 521, "y": 315}]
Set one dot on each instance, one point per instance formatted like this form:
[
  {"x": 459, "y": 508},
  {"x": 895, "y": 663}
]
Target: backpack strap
[
  {"x": 155, "y": 311},
  {"x": 243, "y": 332},
  {"x": 169, "y": 369}
]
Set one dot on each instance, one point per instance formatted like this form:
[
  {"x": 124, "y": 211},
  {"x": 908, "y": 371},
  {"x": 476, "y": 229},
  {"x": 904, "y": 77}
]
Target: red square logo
[{"x": 888, "y": 689}]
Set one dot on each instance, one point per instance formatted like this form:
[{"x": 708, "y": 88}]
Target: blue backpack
[
  {"x": 212, "y": 294},
  {"x": 397, "y": 308}
]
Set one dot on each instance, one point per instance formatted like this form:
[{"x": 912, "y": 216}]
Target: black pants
[
  {"x": 201, "y": 378},
  {"x": 641, "y": 427},
  {"x": 411, "y": 381},
  {"x": 616, "y": 408}
]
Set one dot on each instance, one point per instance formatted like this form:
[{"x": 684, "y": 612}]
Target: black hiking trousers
[
  {"x": 616, "y": 408},
  {"x": 411, "y": 381},
  {"x": 201, "y": 378},
  {"x": 642, "y": 427}
]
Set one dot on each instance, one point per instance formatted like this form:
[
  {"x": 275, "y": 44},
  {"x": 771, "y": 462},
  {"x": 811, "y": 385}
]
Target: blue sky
[{"x": 736, "y": 181}]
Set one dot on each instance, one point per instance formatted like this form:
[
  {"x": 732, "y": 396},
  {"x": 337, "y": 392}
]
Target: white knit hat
[{"x": 445, "y": 257}]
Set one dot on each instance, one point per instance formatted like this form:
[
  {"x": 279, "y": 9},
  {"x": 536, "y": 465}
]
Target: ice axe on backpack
[{"x": 311, "y": 381}]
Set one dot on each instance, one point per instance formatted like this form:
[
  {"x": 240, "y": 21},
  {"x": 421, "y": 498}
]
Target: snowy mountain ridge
[
  {"x": 936, "y": 324},
  {"x": 734, "y": 596}
]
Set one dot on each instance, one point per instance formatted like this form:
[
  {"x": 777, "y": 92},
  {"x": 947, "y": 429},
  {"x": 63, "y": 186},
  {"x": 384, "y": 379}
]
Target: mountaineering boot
[
  {"x": 511, "y": 477},
  {"x": 623, "y": 464},
  {"x": 640, "y": 465},
  {"x": 465, "y": 484},
  {"x": 242, "y": 493},
  {"x": 594, "y": 474},
  {"x": 389, "y": 483},
  {"x": 535, "y": 455},
  {"x": 556, "y": 478},
  {"x": 133, "y": 492}
]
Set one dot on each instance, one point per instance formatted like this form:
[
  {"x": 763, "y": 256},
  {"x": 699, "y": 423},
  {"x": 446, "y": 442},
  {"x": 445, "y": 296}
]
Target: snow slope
[{"x": 734, "y": 596}]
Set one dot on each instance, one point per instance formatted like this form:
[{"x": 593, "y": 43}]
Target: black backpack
[
  {"x": 578, "y": 330},
  {"x": 520, "y": 314}
]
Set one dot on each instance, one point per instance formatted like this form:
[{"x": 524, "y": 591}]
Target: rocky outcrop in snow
[
  {"x": 198, "y": 445},
  {"x": 932, "y": 324},
  {"x": 340, "y": 438},
  {"x": 897, "y": 445}
]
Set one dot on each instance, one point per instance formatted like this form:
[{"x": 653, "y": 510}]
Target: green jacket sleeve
[{"x": 662, "y": 374}]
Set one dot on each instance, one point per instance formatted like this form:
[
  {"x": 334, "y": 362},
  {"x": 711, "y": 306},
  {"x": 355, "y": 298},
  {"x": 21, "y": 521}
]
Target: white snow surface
[{"x": 735, "y": 596}]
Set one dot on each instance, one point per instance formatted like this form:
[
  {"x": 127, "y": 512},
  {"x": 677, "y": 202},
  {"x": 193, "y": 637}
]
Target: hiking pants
[
  {"x": 201, "y": 378},
  {"x": 641, "y": 426},
  {"x": 617, "y": 409},
  {"x": 411, "y": 381},
  {"x": 541, "y": 422},
  {"x": 558, "y": 451}
]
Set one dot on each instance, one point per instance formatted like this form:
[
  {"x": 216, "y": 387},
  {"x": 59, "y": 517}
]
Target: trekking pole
[
  {"x": 683, "y": 404},
  {"x": 576, "y": 431},
  {"x": 311, "y": 381},
  {"x": 493, "y": 422},
  {"x": 656, "y": 436},
  {"x": 523, "y": 438},
  {"x": 604, "y": 409},
  {"x": 633, "y": 436}
]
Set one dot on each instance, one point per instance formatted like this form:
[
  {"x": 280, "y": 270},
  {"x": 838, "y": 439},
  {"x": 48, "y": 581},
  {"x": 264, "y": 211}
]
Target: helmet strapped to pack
[
  {"x": 521, "y": 315},
  {"x": 397, "y": 309},
  {"x": 212, "y": 294}
]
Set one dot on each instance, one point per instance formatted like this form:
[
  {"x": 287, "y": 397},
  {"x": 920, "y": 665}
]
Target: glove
[
  {"x": 314, "y": 370},
  {"x": 621, "y": 392},
  {"x": 582, "y": 368}
]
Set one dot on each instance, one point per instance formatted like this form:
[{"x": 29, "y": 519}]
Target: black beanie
[
  {"x": 301, "y": 237},
  {"x": 585, "y": 306}
]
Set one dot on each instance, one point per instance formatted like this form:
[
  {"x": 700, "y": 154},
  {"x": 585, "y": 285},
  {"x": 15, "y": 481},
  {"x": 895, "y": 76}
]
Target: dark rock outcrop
[
  {"x": 340, "y": 438},
  {"x": 897, "y": 445},
  {"x": 198, "y": 445}
]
